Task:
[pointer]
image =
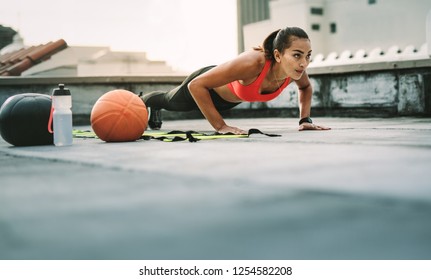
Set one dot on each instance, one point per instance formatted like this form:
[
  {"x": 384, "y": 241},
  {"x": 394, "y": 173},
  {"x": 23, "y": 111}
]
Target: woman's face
[{"x": 296, "y": 58}]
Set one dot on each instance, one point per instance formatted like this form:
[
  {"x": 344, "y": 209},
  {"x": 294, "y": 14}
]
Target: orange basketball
[{"x": 119, "y": 116}]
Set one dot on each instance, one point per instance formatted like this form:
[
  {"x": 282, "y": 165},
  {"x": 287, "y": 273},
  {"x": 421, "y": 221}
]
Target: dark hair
[{"x": 281, "y": 39}]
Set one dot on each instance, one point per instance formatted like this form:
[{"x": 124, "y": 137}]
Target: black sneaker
[{"x": 155, "y": 120}]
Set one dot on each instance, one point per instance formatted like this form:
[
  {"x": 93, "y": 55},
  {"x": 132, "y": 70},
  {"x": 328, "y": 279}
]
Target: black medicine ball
[{"x": 24, "y": 119}]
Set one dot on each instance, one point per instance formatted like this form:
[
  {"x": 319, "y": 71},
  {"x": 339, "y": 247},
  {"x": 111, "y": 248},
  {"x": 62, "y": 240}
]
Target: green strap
[{"x": 176, "y": 135}]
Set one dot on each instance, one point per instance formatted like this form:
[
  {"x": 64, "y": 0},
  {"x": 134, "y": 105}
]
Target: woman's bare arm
[{"x": 244, "y": 67}]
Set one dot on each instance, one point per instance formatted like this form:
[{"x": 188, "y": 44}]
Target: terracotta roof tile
[{"x": 14, "y": 63}]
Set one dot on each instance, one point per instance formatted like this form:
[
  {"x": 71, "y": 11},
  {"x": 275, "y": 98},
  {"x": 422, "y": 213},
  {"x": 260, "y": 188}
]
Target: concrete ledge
[{"x": 384, "y": 89}]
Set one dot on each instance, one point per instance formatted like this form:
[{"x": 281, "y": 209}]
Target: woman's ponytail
[{"x": 268, "y": 45}]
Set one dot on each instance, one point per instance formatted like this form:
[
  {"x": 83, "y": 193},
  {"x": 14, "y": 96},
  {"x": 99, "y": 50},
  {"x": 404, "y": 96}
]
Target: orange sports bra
[{"x": 250, "y": 93}]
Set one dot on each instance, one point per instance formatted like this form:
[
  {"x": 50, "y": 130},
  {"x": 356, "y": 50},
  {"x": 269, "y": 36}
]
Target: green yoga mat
[{"x": 176, "y": 135}]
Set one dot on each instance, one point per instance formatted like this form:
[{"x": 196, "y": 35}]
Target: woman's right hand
[{"x": 231, "y": 129}]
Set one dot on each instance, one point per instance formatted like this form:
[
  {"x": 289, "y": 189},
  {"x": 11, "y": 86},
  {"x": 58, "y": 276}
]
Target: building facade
[{"x": 339, "y": 25}]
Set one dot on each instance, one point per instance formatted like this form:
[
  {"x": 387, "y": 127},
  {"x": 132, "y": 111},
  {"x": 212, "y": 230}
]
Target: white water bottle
[{"x": 62, "y": 116}]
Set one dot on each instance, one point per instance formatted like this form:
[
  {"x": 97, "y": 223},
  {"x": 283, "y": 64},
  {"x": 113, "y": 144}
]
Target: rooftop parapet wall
[
  {"x": 85, "y": 90},
  {"x": 383, "y": 93},
  {"x": 376, "y": 59},
  {"x": 374, "y": 89},
  {"x": 380, "y": 83}
]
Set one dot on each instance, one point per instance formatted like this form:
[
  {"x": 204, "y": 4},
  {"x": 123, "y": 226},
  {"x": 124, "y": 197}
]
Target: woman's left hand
[{"x": 312, "y": 126}]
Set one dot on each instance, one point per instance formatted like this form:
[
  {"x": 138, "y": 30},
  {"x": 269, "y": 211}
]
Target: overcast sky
[{"x": 188, "y": 34}]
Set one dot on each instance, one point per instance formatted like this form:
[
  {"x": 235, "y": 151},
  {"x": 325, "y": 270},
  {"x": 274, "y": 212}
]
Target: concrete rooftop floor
[{"x": 359, "y": 191}]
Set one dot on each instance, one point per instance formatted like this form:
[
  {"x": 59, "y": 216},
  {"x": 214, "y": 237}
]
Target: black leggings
[{"x": 180, "y": 99}]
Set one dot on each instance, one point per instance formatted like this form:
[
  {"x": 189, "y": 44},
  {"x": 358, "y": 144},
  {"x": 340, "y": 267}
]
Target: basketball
[
  {"x": 119, "y": 116},
  {"x": 24, "y": 119}
]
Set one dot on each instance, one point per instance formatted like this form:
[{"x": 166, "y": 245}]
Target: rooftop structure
[
  {"x": 60, "y": 60},
  {"x": 81, "y": 61},
  {"x": 337, "y": 26},
  {"x": 15, "y": 62}
]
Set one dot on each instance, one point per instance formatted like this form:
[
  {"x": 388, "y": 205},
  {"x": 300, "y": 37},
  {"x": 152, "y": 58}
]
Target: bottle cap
[{"x": 61, "y": 90}]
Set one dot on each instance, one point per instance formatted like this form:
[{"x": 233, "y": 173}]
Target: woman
[{"x": 257, "y": 75}]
